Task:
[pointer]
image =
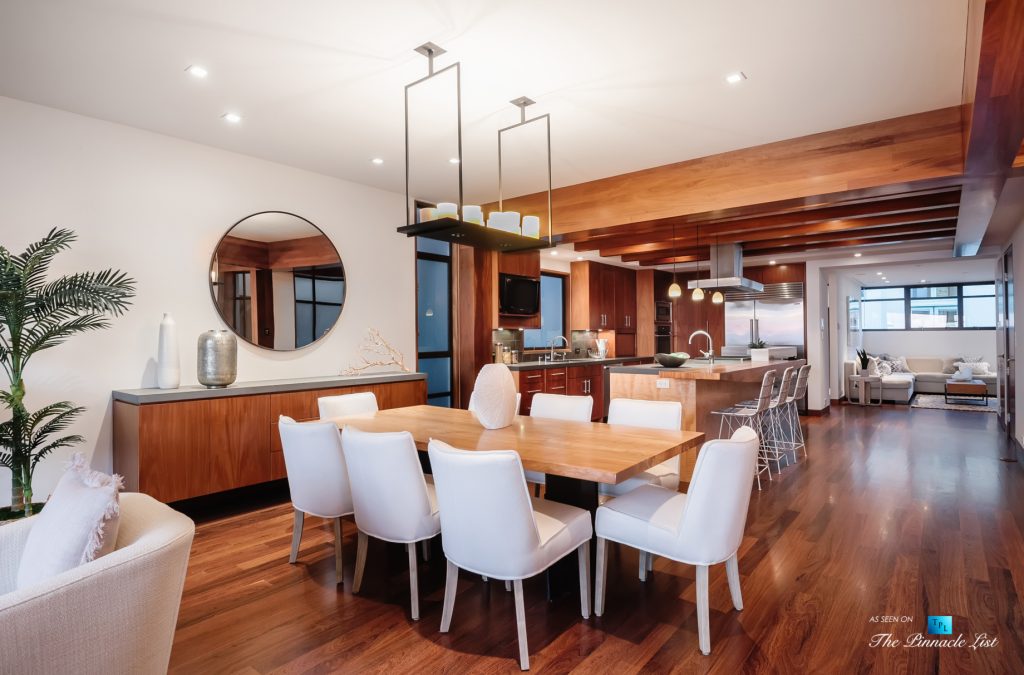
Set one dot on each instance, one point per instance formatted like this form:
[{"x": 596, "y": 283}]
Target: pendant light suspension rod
[
  {"x": 522, "y": 102},
  {"x": 431, "y": 51}
]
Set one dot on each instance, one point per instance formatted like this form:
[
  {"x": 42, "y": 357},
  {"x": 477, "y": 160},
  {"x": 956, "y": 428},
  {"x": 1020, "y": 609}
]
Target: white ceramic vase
[
  {"x": 168, "y": 363},
  {"x": 494, "y": 396}
]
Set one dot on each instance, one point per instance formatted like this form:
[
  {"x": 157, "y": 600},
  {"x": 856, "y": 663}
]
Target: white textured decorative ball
[{"x": 494, "y": 396}]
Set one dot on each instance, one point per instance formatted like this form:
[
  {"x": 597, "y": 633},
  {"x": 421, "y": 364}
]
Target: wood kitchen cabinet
[
  {"x": 602, "y": 297},
  {"x": 583, "y": 380}
]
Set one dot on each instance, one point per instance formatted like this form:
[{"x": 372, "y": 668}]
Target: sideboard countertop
[{"x": 197, "y": 392}]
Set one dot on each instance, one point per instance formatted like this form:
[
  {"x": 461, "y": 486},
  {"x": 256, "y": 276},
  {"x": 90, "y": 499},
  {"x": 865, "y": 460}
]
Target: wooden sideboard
[{"x": 188, "y": 442}]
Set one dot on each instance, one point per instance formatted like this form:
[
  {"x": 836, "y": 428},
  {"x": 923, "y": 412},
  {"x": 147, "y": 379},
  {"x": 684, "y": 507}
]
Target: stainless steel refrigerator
[{"x": 775, "y": 316}]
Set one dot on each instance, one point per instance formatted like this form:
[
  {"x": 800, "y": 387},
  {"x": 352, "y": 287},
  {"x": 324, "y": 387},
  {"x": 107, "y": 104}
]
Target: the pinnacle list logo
[{"x": 940, "y": 625}]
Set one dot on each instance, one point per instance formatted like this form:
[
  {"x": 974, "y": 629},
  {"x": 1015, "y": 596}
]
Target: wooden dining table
[{"x": 575, "y": 456}]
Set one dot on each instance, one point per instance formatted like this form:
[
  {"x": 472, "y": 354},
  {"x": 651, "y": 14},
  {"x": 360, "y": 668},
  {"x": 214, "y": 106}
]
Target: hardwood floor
[{"x": 896, "y": 512}]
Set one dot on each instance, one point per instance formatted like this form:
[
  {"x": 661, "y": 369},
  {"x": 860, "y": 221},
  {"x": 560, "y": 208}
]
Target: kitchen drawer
[{"x": 555, "y": 380}]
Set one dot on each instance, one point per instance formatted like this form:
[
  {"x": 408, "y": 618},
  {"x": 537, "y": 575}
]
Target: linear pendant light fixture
[{"x": 454, "y": 228}]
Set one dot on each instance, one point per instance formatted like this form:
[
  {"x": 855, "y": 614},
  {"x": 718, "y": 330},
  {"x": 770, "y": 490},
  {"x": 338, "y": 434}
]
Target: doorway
[
  {"x": 1005, "y": 344},
  {"x": 434, "y": 318}
]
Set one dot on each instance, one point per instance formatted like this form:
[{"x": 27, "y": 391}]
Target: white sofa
[
  {"x": 114, "y": 615},
  {"x": 928, "y": 376}
]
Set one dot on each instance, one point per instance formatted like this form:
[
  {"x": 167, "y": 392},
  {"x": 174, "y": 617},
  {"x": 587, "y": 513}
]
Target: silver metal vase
[{"x": 217, "y": 358}]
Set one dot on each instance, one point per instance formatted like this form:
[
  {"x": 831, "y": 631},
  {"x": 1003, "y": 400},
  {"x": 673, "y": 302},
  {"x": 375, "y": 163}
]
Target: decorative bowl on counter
[{"x": 673, "y": 360}]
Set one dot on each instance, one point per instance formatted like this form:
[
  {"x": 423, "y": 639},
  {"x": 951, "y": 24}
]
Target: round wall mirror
[{"x": 277, "y": 281}]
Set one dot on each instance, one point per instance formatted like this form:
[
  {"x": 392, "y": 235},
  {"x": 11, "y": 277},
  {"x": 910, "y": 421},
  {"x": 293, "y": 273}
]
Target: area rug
[{"x": 938, "y": 402}]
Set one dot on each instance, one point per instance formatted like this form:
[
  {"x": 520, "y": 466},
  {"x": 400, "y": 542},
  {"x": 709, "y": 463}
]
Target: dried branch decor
[{"x": 376, "y": 346}]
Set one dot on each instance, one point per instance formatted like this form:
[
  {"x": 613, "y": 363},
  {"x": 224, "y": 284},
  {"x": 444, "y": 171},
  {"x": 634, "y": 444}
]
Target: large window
[
  {"x": 552, "y": 313},
  {"x": 931, "y": 307}
]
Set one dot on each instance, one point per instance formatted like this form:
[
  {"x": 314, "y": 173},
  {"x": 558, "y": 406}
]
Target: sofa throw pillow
[
  {"x": 977, "y": 367},
  {"x": 873, "y": 366},
  {"x": 884, "y": 367},
  {"x": 78, "y": 524},
  {"x": 899, "y": 365}
]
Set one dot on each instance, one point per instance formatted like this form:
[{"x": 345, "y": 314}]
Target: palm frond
[
  {"x": 35, "y": 261},
  {"x": 46, "y": 336},
  {"x": 65, "y": 442},
  {"x": 104, "y": 292}
]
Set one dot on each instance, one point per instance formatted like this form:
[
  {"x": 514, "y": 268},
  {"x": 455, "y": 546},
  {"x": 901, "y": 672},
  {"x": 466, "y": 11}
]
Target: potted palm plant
[{"x": 35, "y": 315}]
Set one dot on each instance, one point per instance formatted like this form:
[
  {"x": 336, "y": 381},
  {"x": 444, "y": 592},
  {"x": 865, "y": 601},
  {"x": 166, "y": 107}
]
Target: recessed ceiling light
[
  {"x": 887, "y": 281},
  {"x": 377, "y": 160},
  {"x": 231, "y": 118},
  {"x": 453, "y": 160},
  {"x": 197, "y": 71},
  {"x": 735, "y": 78},
  {"x": 579, "y": 257},
  {"x": 922, "y": 281},
  {"x": 878, "y": 273},
  {"x": 857, "y": 255},
  {"x": 554, "y": 252},
  {"x": 771, "y": 262}
]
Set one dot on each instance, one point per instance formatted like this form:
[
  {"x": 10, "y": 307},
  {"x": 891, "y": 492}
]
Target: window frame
[
  {"x": 565, "y": 310},
  {"x": 907, "y": 325},
  {"x": 310, "y": 273}
]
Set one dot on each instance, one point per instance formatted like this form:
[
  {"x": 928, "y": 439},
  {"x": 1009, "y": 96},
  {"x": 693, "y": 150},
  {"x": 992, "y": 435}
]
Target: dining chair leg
[
  {"x": 508, "y": 586},
  {"x": 643, "y": 565},
  {"x": 524, "y": 650},
  {"x": 602, "y": 566},
  {"x": 650, "y": 562},
  {"x": 451, "y": 582},
  {"x": 732, "y": 571},
  {"x": 536, "y": 490},
  {"x": 339, "y": 578},
  {"x": 414, "y": 585},
  {"x": 583, "y": 554},
  {"x": 300, "y": 517},
  {"x": 703, "y": 618},
  {"x": 357, "y": 578},
  {"x": 425, "y": 550}
]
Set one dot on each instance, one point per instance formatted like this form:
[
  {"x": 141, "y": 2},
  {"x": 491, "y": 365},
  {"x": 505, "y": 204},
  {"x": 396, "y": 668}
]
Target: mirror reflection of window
[{"x": 278, "y": 281}]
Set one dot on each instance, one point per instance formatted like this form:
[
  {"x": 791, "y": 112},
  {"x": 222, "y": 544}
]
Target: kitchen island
[{"x": 700, "y": 386}]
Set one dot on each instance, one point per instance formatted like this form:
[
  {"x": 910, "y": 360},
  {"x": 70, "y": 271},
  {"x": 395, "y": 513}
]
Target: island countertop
[
  {"x": 729, "y": 371},
  {"x": 568, "y": 363}
]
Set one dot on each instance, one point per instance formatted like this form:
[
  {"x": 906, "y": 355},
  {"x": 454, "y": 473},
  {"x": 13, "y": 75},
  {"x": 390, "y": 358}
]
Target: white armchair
[{"x": 115, "y": 614}]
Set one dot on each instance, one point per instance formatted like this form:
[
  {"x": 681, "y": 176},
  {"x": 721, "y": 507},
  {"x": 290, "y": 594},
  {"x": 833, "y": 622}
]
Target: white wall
[
  {"x": 1017, "y": 241},
  {"x": 946, "y": 343},
  {"x": 155, "y": 207}
]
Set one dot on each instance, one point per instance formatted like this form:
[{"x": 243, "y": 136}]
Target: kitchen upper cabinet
[
  {"x": 602, "y": 297},
  {"x": 625, "y": 300}
]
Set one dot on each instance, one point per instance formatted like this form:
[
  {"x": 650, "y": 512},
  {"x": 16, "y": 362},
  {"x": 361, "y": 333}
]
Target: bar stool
[
  {"x": 792, "y": 414},
  {"x": 775, "y": 440},
  {"x": 752, "y": 416}
]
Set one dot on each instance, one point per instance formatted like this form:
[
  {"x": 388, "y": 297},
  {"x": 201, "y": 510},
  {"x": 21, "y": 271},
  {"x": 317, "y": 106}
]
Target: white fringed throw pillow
[{"x": 78, "y": 524}]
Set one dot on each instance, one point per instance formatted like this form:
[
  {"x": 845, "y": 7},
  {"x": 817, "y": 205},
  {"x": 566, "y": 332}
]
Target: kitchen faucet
[
  {"x": 555, "y": 339},
  {"x": 710, "y": 354}
]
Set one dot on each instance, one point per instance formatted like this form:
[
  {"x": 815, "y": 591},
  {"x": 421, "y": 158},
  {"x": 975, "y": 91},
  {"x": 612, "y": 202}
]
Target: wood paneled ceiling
[{"x": 929, "y": 178}]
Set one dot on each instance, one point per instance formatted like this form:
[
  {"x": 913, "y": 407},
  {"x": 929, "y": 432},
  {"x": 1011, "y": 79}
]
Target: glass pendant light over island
[{"x": 698, "y": 293}]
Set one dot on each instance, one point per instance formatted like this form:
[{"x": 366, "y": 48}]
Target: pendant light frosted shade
[
  {"x": 675, "y": 290},
  {"x": 697, "y": 295},
  {"x": 718, "y": 298}
]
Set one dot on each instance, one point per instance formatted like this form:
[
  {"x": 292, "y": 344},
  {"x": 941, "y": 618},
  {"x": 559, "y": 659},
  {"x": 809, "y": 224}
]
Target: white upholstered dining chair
[
  {"x": 392, "y": 499},
  {"x": 317, "y": 479},
  {"x": 491, "y": 526},
  {"x": 347, "y": 405},
  {"x": 702, "y": 527},
  {"x": 558, "y": 407},
  {"x": 650, "y": 415}
]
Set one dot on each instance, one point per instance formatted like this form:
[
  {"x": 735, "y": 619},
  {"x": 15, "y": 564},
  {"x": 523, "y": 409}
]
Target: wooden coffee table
[{"x": 967, "y": 391}]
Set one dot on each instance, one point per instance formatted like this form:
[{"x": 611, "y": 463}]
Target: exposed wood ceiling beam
[
  {"x": 876, "y": 241},
  {"x": 903, "y": 154},
  {"x": 887, "y": 233},
  {"x": 649, "y": 231},
  {"x": 994, "y": 115},
  {"x": 858, "y": 224}
]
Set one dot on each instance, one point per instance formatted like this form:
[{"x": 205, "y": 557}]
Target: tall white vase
[{"x": 168, "y": 363}]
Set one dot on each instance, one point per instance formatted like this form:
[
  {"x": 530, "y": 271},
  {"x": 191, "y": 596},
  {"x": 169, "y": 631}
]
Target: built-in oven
[
  {"x": 663, "y": 312},
  {"x": 663, "y": 338}
]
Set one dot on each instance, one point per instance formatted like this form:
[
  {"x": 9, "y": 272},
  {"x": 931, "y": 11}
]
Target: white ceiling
[
  {"x": 954, "y": 271},
  {"x": 629, "y": 85}
]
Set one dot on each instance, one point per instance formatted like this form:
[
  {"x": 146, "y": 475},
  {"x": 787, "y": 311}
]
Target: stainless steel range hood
[{"x": 727, "y": 271}]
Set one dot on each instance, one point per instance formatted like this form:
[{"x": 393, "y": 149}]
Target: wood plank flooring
[{"x": 896, "y": 512}]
